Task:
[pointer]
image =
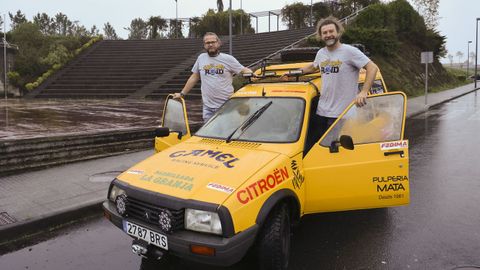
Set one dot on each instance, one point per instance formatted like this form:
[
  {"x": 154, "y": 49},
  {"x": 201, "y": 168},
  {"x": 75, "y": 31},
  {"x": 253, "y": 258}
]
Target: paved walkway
[{"x": 34, "y": 197}]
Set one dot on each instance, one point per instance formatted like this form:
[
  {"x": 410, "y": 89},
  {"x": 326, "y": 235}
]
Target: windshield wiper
[{"x": 249, "y": 121}]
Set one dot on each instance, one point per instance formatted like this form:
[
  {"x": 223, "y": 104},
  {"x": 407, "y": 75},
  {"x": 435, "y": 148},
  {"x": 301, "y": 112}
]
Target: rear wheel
[{"x": 274, "y": 240}]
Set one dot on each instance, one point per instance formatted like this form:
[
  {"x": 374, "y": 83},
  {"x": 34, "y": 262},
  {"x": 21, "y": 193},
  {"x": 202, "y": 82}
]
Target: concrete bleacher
[
  {"x": 246, "y": 48},
  {"x": 151, "y": 68},
  {"x": 117, "y": 69}
]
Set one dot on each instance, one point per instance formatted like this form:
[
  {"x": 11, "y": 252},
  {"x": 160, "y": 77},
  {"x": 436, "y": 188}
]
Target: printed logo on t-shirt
[
  {"x": 327, "y": 67},
  {"x": 212, "y": 69}
]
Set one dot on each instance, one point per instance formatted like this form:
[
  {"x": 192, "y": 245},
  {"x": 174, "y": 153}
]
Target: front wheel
[{"x": 274, "y": 240}]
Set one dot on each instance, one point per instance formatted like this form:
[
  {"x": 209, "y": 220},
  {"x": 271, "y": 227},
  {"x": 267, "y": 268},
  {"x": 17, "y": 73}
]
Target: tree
[
  {"x": 78, "y": 30},
  {"x": 138, "y": 29},
  {"x": 1, "y": 24},
  {"x": 218, "y": 23},
  {"x": 44, "y": 22},
  {"x": 94, "y": 31},
  {"x": 472, "y": 57},
  {"x": 194, "y": 25},
  {"x": 295, "y": 15},
  {"x": 17, "y": 19},
  {"x": 321, "y": 10},
  {"x": 450, "y": 58},
  {"x": 429, "y": 10},
  {"x": 219, "y": 5},
  {"x": 109, "y": 32},
  {"x": 62, "y": 25},
  {"x": 33, "y": 46},
  {"x": 175, "y": 29},
  {"x": 459, "y": 54},
  {"x": 156, "y": 26}
]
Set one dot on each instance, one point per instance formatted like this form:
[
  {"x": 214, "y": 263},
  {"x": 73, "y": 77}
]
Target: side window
[
  {"x": 380, "y": 120},
  {"x": 174, "y": 117},
  {"x": 377, "y": 87}
]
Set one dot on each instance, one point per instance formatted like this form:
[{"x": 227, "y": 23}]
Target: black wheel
[{"x": 274, "y": 240}]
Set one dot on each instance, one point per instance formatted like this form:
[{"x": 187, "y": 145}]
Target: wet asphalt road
[{"x": 440, "y": 229}]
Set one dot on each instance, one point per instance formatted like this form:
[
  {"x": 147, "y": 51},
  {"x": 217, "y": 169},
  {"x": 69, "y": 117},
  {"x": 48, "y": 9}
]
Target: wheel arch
[{"x": 281, "y": 196}]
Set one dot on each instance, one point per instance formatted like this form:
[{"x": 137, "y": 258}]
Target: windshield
[{"x": 281, "y": 121}]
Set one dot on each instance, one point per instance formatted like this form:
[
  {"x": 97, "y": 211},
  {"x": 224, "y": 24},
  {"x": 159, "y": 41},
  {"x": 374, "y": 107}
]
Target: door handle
[{"x": 401, "y": 153}]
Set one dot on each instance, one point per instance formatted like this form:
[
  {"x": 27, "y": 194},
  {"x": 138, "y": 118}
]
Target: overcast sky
[{"x": 457, "y": 17}]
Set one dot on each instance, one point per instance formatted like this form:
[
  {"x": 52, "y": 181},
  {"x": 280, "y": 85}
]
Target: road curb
[
  {"x": 428, "y": 107},
  {"x": 27, "y": 229}
]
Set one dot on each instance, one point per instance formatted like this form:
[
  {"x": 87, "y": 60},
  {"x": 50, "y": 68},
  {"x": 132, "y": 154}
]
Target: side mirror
[
  {"x": 345, "y": 141},
  {"x": 162, "y": 132}
]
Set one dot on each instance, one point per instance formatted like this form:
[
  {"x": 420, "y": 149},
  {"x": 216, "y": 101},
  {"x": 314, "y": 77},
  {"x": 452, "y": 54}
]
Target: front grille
[{"x": 138, "y": 209}]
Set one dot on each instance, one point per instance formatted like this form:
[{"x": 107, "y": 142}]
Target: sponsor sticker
[
  {"x": 247, "y": 92},
  {"x": 220, "y": 187},
  {"x": 136, "y": 172},
  {"x": 394, "y": 145}
]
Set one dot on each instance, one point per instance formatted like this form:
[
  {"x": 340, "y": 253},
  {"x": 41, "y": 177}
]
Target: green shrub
[
  {"x": 377, "y": 41},
  {"x": 13, "y": 77},
  {"x": 29, "y": 86},
  {"x": 57, "y": 57},
  {"x": 39, "y": 81},
  {"x": 375, "y": 16},
  {"x": 403, "y": 19}
]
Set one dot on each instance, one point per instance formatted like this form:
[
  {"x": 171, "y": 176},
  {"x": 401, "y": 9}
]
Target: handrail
[{"x": 343, "y": 20}]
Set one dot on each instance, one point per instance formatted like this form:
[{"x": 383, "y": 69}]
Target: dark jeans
[{"x": 318, "y": 126}]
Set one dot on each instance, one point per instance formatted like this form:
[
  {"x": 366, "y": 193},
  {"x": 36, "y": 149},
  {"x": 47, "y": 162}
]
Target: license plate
[{"x": 145, "y": 234}]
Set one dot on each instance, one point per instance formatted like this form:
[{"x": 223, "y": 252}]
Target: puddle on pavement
[{"x": 23, "y": 118}]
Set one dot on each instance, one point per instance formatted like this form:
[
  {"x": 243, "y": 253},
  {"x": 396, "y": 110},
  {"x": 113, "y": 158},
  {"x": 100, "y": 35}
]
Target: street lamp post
[
  {"x": 230, "y": 26},
  {"x": 311, "y": 13},
  {"x": 5, "y": 56},
  {"x": 476, "y": 52},
  {"x": 176, "y": 18},
  {"x": 241, "y": 18},
  {"x": 468, "y": 56}
]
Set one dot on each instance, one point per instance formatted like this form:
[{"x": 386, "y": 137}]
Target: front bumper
[{"x": 227, "y": 250}]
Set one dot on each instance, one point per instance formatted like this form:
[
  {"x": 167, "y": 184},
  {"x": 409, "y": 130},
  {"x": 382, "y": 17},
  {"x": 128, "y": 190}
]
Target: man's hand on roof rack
[{"x": 251, "y": 76}]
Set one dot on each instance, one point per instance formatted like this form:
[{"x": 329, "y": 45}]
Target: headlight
[
  {"x": 115, "y": 192},
  {"x": 202, "y": 221}
]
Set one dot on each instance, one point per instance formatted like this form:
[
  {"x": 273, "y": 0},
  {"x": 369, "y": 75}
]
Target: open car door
[
  {"x": 174, "y": 127},
  {"x": 374, "y": 174}
]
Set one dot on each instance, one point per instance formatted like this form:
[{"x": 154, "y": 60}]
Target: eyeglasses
[{"x": 210, "y": 42}]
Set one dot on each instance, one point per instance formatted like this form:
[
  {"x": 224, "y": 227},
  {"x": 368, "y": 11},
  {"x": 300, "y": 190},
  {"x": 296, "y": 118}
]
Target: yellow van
[{"x": 247, "y": 175}]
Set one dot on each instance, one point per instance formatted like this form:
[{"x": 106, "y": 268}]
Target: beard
[
  {"x": 331, "y": 42},
  {"x": 213, "y": 52}
]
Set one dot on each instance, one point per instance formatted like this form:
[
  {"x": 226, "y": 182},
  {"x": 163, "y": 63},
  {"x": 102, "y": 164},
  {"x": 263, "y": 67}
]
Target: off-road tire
[{"x": 274, "y": 240}]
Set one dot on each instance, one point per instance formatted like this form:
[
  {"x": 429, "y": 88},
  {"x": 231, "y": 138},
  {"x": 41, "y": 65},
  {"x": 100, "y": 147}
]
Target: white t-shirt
[
  {"x": 339, "y": 70},
  {"x": 216, "y": 77}
]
